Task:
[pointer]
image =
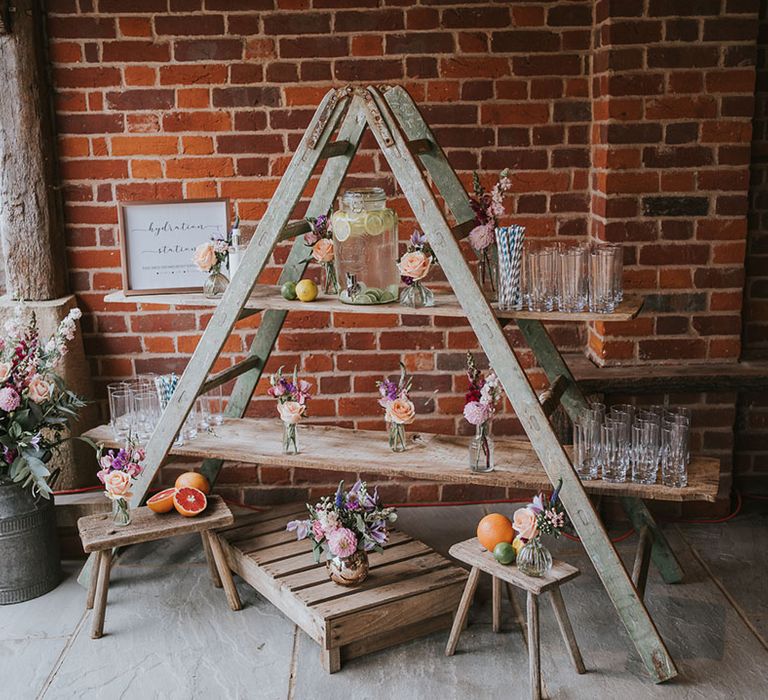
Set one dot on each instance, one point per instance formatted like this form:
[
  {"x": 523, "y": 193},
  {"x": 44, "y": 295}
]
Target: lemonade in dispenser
[{"x": 365, "y": 247}]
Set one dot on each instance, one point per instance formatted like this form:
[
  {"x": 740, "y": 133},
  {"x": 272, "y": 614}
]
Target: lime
[
  {"x": 386, "y": 297},
  {"x": 306, "y": 290},
  {"x": 288, "y": 290},
  {"x": 504, "y": 553},
  {"x": 340, "y": 225},
  {"x": 375, "y": 223}
]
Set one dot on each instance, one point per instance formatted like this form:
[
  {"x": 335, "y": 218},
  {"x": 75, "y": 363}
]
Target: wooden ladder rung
[
  {"x": 550, "y": 398},
  {"x": 295, "y": 228},
  {"x": 230, "y": 373},
  {"x": 335, "y": 149},
  {"x": 420, "y": 146},
  {"x": 462, "y": 230}
]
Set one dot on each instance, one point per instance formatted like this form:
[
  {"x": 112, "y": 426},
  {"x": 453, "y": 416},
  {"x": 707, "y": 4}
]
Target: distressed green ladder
[{"x": 407, "y": 143}]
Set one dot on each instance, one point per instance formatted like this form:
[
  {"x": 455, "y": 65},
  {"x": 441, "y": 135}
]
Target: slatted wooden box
[{"x": 411, "y": 590}]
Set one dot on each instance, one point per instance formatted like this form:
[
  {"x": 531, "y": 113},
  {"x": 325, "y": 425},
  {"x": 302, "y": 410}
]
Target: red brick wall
[{"x": 619, "y": 126}]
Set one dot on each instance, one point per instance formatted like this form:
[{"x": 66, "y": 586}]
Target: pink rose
[
  {"x": 476, "y": 413},
  {"x": 205, "y": 256},
  {"x": 317, "y": 530},
  {"x": 400, "y": 411},
  {"x": 133, "y": 470},
  {"x": 291, "y": 411},
  {"x": 482, "y": 236},
  {"x": 524, "y": 522},
  {"x": 9, "y": 399},
  {"x": 342, "y": 542},
  {"x": 118, "y": 485},
  {"x": 322, "y": 251},
  {"x": 39, "y": 389},
  {"x": 103, "y": 474},
  {"x": 5, "y": 370},
  {"x": 414, "y": 265}
]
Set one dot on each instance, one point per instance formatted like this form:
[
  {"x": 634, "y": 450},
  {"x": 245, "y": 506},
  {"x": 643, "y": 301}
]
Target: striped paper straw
[{"x": 517, "y": 257}]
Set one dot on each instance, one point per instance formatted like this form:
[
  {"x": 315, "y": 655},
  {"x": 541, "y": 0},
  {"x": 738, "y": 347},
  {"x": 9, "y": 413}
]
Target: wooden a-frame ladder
[{"x": 406, "y": 142}]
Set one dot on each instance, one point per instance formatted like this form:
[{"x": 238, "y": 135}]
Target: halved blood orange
[
  {"x": 162, "y": 502},
  {"x": 189, "y": 501},
  {"x": 195, "y": 480}
]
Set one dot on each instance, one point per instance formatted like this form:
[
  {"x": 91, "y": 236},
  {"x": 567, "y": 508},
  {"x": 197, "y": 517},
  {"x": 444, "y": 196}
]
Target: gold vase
[{"x": 348, "y": 571}]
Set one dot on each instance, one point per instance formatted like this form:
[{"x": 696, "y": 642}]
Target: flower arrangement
[
  {"x": 346, "y": 522},
  {"x": 320, "y": 240},
  {"x": 539, "y": 517},
  {"x": 414, "y": 266},
  {"x": 292, "y": 396},
  {"x": 117, "y": 470},
  {"x": 482, "y": 397},
  {"x": 35, "y": 405},
  {"x": 399, "y": 410},
  {"x": 209, "y": 257},
  {"x": 488, "y": 208}
]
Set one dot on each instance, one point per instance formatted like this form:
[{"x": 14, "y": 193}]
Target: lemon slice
[
  {"x": 341, "y": 227},
  {"x": 375, "y": 223}
]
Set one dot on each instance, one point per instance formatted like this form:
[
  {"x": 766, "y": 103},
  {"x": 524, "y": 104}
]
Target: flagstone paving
[{"x": 169, "y": 633}]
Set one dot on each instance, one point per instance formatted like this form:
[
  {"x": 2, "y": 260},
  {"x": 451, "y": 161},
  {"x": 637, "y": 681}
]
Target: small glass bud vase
[
  {"x": 417, "y": 295},
  {"x": 396, "y": 436},
  {"x": 481, "y": 449},
  {"x": 534, "y": 559},
  {"x": 488, "y": 272},
  {"x": 215, "y": 285},
  {"x": 121, "y": 512},
  {"x": 348, "y": 571},
  {"x": 290, "y": 439},
  {"x": 330, "y": 280}
]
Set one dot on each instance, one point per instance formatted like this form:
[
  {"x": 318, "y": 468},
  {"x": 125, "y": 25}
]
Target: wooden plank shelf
[
  {"x": 446, "y": 304},
  {"x": 431, "y": 457},
  {"x": 411, "y": 590}
]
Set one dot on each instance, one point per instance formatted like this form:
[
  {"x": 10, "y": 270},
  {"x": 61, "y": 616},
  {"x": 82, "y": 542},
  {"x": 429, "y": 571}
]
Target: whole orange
[
  {"x": 495, "y": 528},
  {"x": 194, "y": 480}
]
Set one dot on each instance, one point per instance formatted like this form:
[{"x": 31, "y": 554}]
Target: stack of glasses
[
  {"x": 573, "y": 279},
  {"x": 135, "y": 407},
  {"x": 629, "y": 441}
]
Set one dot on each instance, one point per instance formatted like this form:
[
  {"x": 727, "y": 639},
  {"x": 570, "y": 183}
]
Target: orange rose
[
  {"x": 414, "y": 265},
  {"x": 400, "y": 411},
  {"x": 118, "y": 485},
  {"x": 291, "y": 412},
  {"x": 524, "y": 522},
  {"x": 322, "y": 251},
  {"x": 39, "y": 389},
  {"x": 205, "y": 256}
]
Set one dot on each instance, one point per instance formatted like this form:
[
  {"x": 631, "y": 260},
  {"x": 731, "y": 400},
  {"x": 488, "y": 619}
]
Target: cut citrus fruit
[
  {"x": 341, "y": 226},
  {"x": 375, "y": 223},
  {"x": 189, "y": 502},
  {"x": 495, "y": 528},
  {"x": 194, "y": 479},
  {"x": 162, "y": 502}
]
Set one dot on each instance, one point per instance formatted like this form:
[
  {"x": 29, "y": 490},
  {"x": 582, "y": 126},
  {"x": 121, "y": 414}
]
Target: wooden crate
[{"x": 411, "y": 590}]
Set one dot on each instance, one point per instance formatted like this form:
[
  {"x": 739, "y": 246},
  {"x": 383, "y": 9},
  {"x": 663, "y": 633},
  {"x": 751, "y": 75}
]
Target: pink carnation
[
  {"x": 317, "y": 530},
  {"x": 482, "y": 236},
  {"x": 342, "y": 542},
  {"x": 476, "y": 413},
  {"x": 9, "y": 399}
]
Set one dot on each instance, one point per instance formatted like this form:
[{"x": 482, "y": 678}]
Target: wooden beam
[
  {"x": 230, "y": 373},
  {"x": 642, "y": 559},
  {"x": 550, "y": 398},
  {"x": 462, "y": 230},
  {"x": 335, "y": 149},
  {"x": 419, "y": 147},
  {"x": 31, "y": 218}
]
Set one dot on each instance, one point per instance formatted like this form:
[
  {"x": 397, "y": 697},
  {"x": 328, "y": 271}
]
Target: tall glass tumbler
[
  {"x": 585, "y": 447},
  {"x": 602, "y": 280},
  {"x": 645, "y": 452},
  {"x": 147, "y": 413},
  {"x": 542, "y": 279},
  {"x": 611, "y": 446},
  {"x": 572, "y": 279},
  {"x": 121, "y": 413},
  {"x": 674, "y": 451}
]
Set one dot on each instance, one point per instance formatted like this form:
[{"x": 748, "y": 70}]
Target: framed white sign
[{"x": 158, "y": 240}]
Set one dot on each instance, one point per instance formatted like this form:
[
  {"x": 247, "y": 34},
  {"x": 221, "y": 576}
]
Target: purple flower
[
  {"x": 301, "y": 527},
  {"x": 339, "y": 499},
  {"x": 537, "y": 505},
  {"x": 378, "y": 533},
  {"x": 418, "y": 239},
  {"x": 388, "y": 390},
  {"x": 9, "y": 399}
]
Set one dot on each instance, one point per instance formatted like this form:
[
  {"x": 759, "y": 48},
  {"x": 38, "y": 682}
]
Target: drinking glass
[
  {"x": 542, "y": 279},
  {"x": 572, "y": 279},
  {"x": 674, "y": 451},
  {"x": 645, "y": 452},
  {"x": 618, "y": 271},
  {"x": 602, "y": 293},
  {"x": 147, "y": 413},
  {"x": 611, "y": 443},
  {"x": 625, "y": 440},
  {"x": 585, "y": 447},
  {"x": 121, "y": 413},
  {"x": 625, "y": 408},
  {"x": 214, "y": 401}
]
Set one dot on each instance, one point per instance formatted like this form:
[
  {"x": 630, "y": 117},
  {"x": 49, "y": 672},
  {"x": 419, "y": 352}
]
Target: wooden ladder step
[
  {"x": 335, "y": 149},
  {"x": 232, "y": 372},
  {"x": 421, "y": 146},
  {"x": 550, "y": 398}
]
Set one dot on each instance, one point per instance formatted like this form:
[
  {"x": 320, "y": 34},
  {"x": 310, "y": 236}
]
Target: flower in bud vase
[
  {"x": 320, "y": 240},
  {"x": 483, "y": 394},
  {"x": 399, "y": 410},
  {"x": 117, "y": 470},
  {"x": 292, "y": 396},
  {"x": 540, "y": 517},
  {"x": 209, "y": 257},
  {"x": 414, "y": 266}
]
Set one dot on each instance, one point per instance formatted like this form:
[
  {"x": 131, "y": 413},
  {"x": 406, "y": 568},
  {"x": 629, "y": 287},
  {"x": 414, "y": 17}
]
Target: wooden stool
[
  {"x": 99, "y": 534},
  {"x": 472, "y": 553}
]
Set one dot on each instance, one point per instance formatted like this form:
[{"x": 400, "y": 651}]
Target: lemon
[
  {"x": 306, "y": 290},
  {"x": 518, "y": 544},
  {"x": 288, "y": 290},
  {"x": 340, "y": 226},
  {"x": 375, "y": 223}
]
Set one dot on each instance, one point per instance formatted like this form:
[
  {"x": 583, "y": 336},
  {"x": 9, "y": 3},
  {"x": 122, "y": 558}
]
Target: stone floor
[{"x": 170, "y": 634}]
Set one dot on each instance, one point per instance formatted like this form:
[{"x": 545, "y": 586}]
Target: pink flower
[
  {"x": 476, "y": 413},
  {"x": 133, "y": 470},
  {"x": 524, "y": 522},
  {"x": 291, "y": 412},
  {"x": 118, "y": 485},
  {"x": 39, "y": 389},
  {"x": 482, "y": 236},
  {"x": 415, "y": 265},
  {"x": 102, "y": 475},
  {"x": 322, "y": 251},
  {"x": 277, "y": 389},
  {"x": 5, "y": 370},
  {"x": 138, "y": 455},
  {"x": 317, "y": 530},
  {"x": 9, "y": 399},
  {"x": 342, "y": 542},
  {"x": 401, "y": 411},
  {"x": 106, "y": 462},
  {"x": 205, "y": 256}
]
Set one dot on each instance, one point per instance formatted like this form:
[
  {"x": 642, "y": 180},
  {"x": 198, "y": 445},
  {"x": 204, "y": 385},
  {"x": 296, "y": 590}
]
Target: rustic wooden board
[
  {"x": 431, "y": 457},
  {"x": 473, "y": 553},
  {"x": 446, "y": 304},
  {"x": 98, "y": 532},
  {"x": 410, "y": 591}
]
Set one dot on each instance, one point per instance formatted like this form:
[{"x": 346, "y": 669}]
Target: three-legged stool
[
  {"x": 99, "y": 534},
  {"x": 471, "y": 552}
]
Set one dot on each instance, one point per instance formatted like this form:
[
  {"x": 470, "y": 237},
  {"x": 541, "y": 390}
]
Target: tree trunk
[{"x": 31, "y": 225}]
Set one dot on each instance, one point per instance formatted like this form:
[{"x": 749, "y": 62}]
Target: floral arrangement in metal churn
[
  {"x": 117, "y": 471},
  {"x": 488, "y": 208},
  {"x": 541, "y": 516},
  {"x": 209, "y": 257},
  {"x": 320, "y": 240},
  {"x": 346, "y": 526},
  {"x": 414, "y": 266},
  {"x": 35, "y": 405},
  {"x": 399, "y": 410},
  {"x": 483, "y": 395},
  {"x": 292, "y": 396}
]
